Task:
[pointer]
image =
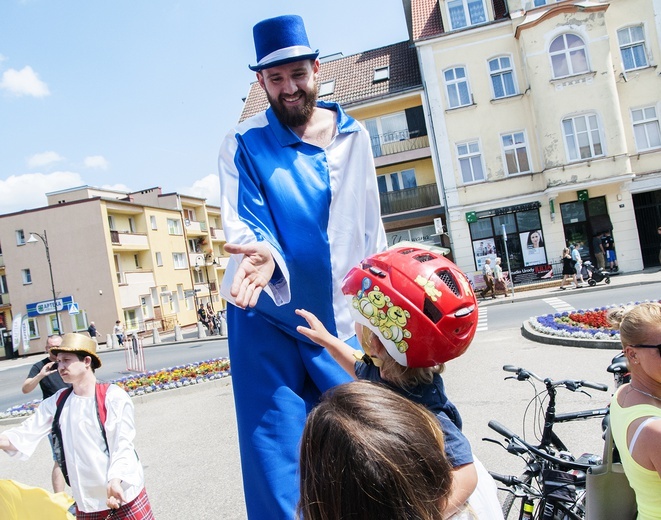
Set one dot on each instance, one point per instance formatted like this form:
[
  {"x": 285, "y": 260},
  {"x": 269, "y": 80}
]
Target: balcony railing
[
  {"x": 397, "y": 142},
  {"x": 4, "y": 299},
  {"x": 409, "y": 199},
  {"x": 129, "y": 241}
]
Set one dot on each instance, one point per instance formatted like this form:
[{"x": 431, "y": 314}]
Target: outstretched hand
[
  {"x": 316, "y": 331},
  {"x": 254, "y": 272}
]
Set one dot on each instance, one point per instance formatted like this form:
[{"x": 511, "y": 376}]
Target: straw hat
[{"x": 79, "y": 344}]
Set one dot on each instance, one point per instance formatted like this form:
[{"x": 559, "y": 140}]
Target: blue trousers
[{"x": 276, "y": 379}]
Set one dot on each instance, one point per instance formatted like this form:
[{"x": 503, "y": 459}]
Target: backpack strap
[
  {"x": 56, "y": 433},
  {"x": 101, "y": 411}
]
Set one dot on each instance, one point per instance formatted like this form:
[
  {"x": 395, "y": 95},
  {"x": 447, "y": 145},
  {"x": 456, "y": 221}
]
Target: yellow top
[
  {"x": 21, "y": 502},
  {"x": 646, "y": 483}
]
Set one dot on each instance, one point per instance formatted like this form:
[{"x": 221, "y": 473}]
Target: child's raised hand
[{"x": 316, "y": 331}]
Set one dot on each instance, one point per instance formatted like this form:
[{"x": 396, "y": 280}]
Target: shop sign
[{"x": 47, "y": 307}]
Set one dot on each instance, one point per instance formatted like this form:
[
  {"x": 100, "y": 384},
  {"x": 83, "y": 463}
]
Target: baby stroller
[{"x": 593, "y": 275}]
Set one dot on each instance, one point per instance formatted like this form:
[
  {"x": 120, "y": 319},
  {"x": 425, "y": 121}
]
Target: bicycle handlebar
[
  {"x": 514, "y": 438},
  {"x": 571, "y": 384}
]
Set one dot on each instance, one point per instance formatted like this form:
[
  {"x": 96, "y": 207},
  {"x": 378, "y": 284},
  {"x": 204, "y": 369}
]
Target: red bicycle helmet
[{"x": 420, "y": 305}]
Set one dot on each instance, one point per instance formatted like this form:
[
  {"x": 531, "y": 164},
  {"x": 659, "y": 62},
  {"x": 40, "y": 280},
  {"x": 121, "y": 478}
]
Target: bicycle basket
[{"x": 559, "y": 485}]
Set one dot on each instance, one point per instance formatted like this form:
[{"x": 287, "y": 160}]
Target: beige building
[
  {"x": 546, "y": 126},
  {"x": 147, "y": 259}
]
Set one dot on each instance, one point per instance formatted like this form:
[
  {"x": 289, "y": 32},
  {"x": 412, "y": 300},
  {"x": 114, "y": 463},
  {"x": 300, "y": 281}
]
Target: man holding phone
[{"x": 44, "y": 373}]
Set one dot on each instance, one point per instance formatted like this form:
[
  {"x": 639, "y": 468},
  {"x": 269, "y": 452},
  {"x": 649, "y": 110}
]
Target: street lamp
[
  {"x": 206, "y": 273},
  {"x": 44, "y": 239}
]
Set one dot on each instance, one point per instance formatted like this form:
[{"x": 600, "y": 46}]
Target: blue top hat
[{"x": 281, "y": 40}]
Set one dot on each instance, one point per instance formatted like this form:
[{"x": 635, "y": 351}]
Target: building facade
[
  {"x": 546, "y": 127},
  {"x": 147, "y": 259}
]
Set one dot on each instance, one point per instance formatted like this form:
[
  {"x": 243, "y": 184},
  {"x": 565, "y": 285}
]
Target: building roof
[{"x": 354, "y": 77}]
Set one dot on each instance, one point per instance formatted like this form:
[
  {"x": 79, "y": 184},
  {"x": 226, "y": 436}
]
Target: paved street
[{"x": 188, "y": 443}]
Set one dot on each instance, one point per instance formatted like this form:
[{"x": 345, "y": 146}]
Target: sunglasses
[{"x": 658, "y": 347}]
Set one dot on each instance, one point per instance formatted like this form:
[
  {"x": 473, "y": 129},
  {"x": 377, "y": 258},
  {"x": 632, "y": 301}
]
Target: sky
[{"x": 133, "y": 94}]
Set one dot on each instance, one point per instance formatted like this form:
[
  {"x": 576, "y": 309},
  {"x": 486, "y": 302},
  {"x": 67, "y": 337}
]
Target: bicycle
[{"x": 552, "y": 487}]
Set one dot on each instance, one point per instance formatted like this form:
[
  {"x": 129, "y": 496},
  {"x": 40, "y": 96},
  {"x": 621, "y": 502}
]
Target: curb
[{"x": 529, "y": 333}]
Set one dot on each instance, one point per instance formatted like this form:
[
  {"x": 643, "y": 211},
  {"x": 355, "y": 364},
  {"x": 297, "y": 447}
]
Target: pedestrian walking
[{"x": 487, "y": 275}]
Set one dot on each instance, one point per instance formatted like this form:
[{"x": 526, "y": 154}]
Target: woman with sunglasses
[{"x": 636, "y": 407}]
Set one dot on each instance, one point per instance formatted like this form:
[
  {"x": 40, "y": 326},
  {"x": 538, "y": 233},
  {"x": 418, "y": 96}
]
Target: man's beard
[{"x": 295, "y": 116}]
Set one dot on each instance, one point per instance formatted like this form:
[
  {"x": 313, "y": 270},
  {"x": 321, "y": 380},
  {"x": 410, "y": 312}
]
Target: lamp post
[{"x": 44, "y": 239}]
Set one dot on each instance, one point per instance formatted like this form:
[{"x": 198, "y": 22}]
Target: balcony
[
  {"x": 128, "y": 241},
  {"x": 410, "y": 199},
  {"x": 132, "y": 285},
  {"x": 4, "y": 299},
  {"x": 217, "y": 234},
  {"x": 398, "y": 147},
  {"x": 195, "y": 228}
]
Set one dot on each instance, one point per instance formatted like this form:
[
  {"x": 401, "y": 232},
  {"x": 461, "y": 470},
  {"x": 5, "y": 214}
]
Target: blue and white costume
[{"x": 318, "y": 211}]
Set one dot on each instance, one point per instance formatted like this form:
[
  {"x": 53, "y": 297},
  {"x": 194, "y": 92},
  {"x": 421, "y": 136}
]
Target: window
[
  {"x": 466, "y": 12},
  {"x": 54, "y": 327},
  {"x": 3, "y": 284},
  {"x": 152, "y": 220},
  {"x": 111, "y": 222},
  {"x": 79, "y": 321},
  {"x": 470, "y": 161},
  {"x": 198, "y": 276},
  {"x": 516, "y": 152},
  {"x": 327, "y": 88},
  {"x": 159, "y": 259},
  {"x": 27, "y": 277},
  {"x": 20, "y": 237},
  {"x": 582, "y": 137},
  {"x": 193, "y": 245},
  {"x": 646, "y": 128},
  {"x": 632, "y": 47},
  {"x": 130, "y": 320},
  {"x": 189, "y": 214},
  {"x": 502, "y": 77},
  {"x": 136, "y": 259},
  {"x": 397, "y": 181},
  {"x": 568, "y": 56},
  {"x": 179, "y": 260},
  {"x": 174, "y": 226},
  {"x": 381, "y": 74},
  {"x": 132, "y": 228},
  {"x": 457, "y": 87},
  {"x": 33, "y": 328}
]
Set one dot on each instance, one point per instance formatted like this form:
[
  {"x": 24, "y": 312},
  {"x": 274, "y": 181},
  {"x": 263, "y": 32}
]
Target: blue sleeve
[{"x": 457, "y": 448}]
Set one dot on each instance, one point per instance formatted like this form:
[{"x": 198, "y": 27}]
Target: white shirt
[{"x": 89, "y": 467}]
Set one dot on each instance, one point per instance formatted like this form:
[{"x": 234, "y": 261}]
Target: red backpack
[{"x": 56, "y": 432}]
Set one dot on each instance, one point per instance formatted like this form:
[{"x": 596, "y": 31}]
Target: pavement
[{"x": 188, "y": 444}]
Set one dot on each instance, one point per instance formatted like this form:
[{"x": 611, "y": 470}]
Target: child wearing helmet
[{"x": 415, "y": 310}]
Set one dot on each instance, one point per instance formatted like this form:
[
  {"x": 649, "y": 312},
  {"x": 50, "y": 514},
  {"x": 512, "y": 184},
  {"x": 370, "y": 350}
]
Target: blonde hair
[
  {"x": 396, "y": 374},
  {"x": 634, "y": 321}
]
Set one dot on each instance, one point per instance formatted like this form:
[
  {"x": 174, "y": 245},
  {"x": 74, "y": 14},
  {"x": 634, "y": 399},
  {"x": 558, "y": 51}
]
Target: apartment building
[
  {"x": 382, "y": 88},
  {"x": 546, "y": 126},
  {"x": 146, "y": 258}
]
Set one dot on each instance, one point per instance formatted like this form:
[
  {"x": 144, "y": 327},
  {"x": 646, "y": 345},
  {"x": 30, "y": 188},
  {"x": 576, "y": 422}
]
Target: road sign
[{"x": 73, "y": 308}]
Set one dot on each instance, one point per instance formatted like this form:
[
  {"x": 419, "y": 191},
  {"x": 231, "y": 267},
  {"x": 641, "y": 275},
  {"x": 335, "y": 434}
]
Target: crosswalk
[
  {"x": 482, "y": 324},
  {"x": 559, "y": 304}
]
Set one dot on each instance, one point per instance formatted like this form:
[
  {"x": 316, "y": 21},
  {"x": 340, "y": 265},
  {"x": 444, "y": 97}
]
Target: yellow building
[
  {"x": 546, "y": 127},
  {"x": 147, "y": 259}
]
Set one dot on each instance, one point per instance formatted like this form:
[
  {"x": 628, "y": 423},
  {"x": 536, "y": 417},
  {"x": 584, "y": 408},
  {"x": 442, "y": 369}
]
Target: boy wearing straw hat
[
  {"x": 103, "y": 469},
  {"x": 300, "y": 207}
]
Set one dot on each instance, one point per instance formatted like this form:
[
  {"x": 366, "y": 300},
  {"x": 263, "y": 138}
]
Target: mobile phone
[{"x": 54, "y": 367}]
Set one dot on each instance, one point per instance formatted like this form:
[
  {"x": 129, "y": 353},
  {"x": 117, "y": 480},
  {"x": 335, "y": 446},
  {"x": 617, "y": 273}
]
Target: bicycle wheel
[{"x": 512, "y": 504}]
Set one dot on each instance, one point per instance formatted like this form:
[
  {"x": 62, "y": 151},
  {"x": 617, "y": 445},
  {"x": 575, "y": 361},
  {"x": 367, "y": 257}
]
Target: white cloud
[
  {"x": 39, "y": 160},
  {"x": 116, "y": 187},
  {"x": 24, "y": 82},
  {"x": 19, "y": 192},
  {"x": 208, "y": 187},
  {"x": 96, "y": 161}
]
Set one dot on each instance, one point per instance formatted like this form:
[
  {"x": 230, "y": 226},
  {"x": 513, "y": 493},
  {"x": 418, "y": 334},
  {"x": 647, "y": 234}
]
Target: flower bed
[
  {"x": 581, "y": 324},
  {"x": 150, "y": 382}
]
